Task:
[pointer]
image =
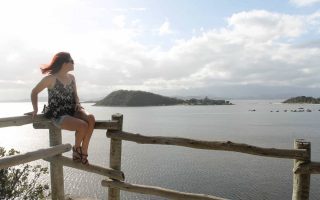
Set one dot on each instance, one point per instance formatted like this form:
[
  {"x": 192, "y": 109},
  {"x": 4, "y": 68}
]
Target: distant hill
[
  {"x": 303, "y": 99},
  {"x": 136, "y": 98},
  {"x": 141, "y": 98}
]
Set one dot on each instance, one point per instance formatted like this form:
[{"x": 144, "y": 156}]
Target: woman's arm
[{"x": 44, "y": 83}]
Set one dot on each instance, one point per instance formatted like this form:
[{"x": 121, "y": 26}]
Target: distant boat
[
  {"x": 308, "y": 110},
  {"x": 252, "y": 110}
]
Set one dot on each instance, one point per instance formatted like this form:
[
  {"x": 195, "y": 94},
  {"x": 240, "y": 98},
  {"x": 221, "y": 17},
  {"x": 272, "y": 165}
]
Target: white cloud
[
  {"x": 304, "y": 2},
  {"x": 314, "y": 20},
  {"x": 165, "y": 28},
  {"x": 119, "y": 21},
  {"x": 252, "y": 50},
  {"x": 306, "y": 71},
  {"x": 138, "y": 9},
  {"x": 266, "y": 26}
]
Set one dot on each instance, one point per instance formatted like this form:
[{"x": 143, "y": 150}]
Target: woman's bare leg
[
  {"x": 89, "y": 118},
  {"x": 78, "y": 125}
]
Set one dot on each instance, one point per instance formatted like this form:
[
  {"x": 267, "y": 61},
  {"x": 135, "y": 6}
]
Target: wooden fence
[{"x": 301, "y": 154}]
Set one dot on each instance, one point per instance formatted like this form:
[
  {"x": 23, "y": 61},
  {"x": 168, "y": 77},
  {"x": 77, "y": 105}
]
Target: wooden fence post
[
  {"x": 56, "y": 169},
  {"x": 115, "y": 156},
  {"x": 301, "y": 182}
]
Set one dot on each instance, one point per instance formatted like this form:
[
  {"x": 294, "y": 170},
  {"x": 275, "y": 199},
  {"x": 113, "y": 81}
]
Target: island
[
  {"x": 142, "y": 98},
  {"x": 303, "y": 99}
]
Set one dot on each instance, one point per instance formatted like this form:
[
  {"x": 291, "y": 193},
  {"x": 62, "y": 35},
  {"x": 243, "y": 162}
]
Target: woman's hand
[{"x": 33, "y": 113}]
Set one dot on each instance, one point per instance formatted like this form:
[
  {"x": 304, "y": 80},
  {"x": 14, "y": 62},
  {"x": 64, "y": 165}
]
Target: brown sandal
[
  {"x": 84, "y": 159},
  {"x": 77, "y": 154}
]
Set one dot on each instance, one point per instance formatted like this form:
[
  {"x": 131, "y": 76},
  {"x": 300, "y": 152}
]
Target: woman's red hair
[{"x": 56, "y": 63}]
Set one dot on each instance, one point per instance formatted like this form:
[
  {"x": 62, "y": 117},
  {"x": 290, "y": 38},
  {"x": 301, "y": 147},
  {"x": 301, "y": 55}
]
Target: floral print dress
[{"x": 61, "y": 100}]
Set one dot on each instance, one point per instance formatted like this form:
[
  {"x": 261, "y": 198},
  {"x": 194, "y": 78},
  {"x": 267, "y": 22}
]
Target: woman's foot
[
  {"x": 77, "y": 154},
  {"x": 84, "y": 159}
]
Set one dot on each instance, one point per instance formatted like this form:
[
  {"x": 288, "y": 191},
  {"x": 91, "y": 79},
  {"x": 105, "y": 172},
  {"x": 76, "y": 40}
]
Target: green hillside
[
  {"x": 141, "y": 98},
  {"x": 303, "y": 99},
  {"x": 136, "y": 98}
]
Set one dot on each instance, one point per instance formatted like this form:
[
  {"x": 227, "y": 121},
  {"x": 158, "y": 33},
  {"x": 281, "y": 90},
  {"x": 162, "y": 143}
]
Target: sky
[{"x": 183, "y": 48}]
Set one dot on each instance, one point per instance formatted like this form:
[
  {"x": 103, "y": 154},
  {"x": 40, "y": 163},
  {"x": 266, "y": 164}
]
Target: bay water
[{"x": 225, "y": 174}]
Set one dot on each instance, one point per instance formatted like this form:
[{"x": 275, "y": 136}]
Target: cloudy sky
[{"x": 228, "y": 49}]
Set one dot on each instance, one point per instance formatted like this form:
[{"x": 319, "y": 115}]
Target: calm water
[{"x": 225, "y": 174}]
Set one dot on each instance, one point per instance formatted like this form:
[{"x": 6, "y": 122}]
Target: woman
[{"x": 63, "y": 107}]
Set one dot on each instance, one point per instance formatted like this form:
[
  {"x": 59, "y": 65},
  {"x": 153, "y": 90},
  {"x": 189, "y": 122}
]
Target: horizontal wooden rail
[
  {"x": 157, "y": 191},
  {"x": 9, "y": 161},
  {"x": 307, "y": 168},
  {"x": 21, "y": 120},
  {"x": 40, "y": 122},
  {"x": 106, "y": 124},
  {"x": 89, "y": 168},
  {"x": 210, "y": 145}
]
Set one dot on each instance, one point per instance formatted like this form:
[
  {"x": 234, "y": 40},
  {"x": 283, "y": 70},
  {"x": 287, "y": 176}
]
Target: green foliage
[
  {"x": 141, "y": 98},
  {"x": 303, "y": 99},
  {"x": 21, "y": 182},
  {"x": 206, "y": 101},
  {"x": 136, "y": 98}
]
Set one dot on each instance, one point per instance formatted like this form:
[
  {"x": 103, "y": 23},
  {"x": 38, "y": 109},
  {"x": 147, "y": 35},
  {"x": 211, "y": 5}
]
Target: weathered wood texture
[
  {"x": 301, "y": 182},
  {"x": 21, "y": 120},
  {"x": 56, "y": 168},
  {"x": 9, "y": 161},
  {"x": 307, "y": 168},
  {"x": 40, "y": 122},
  {"x": 303, "y": 166},
  {"x": 104, "y": 125},
  {"x": 65, "y": 161},
  {"x": 210, "y": 145},
  {"x": 157, "y": 191},
  {"x": 115, "y": 156}
]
